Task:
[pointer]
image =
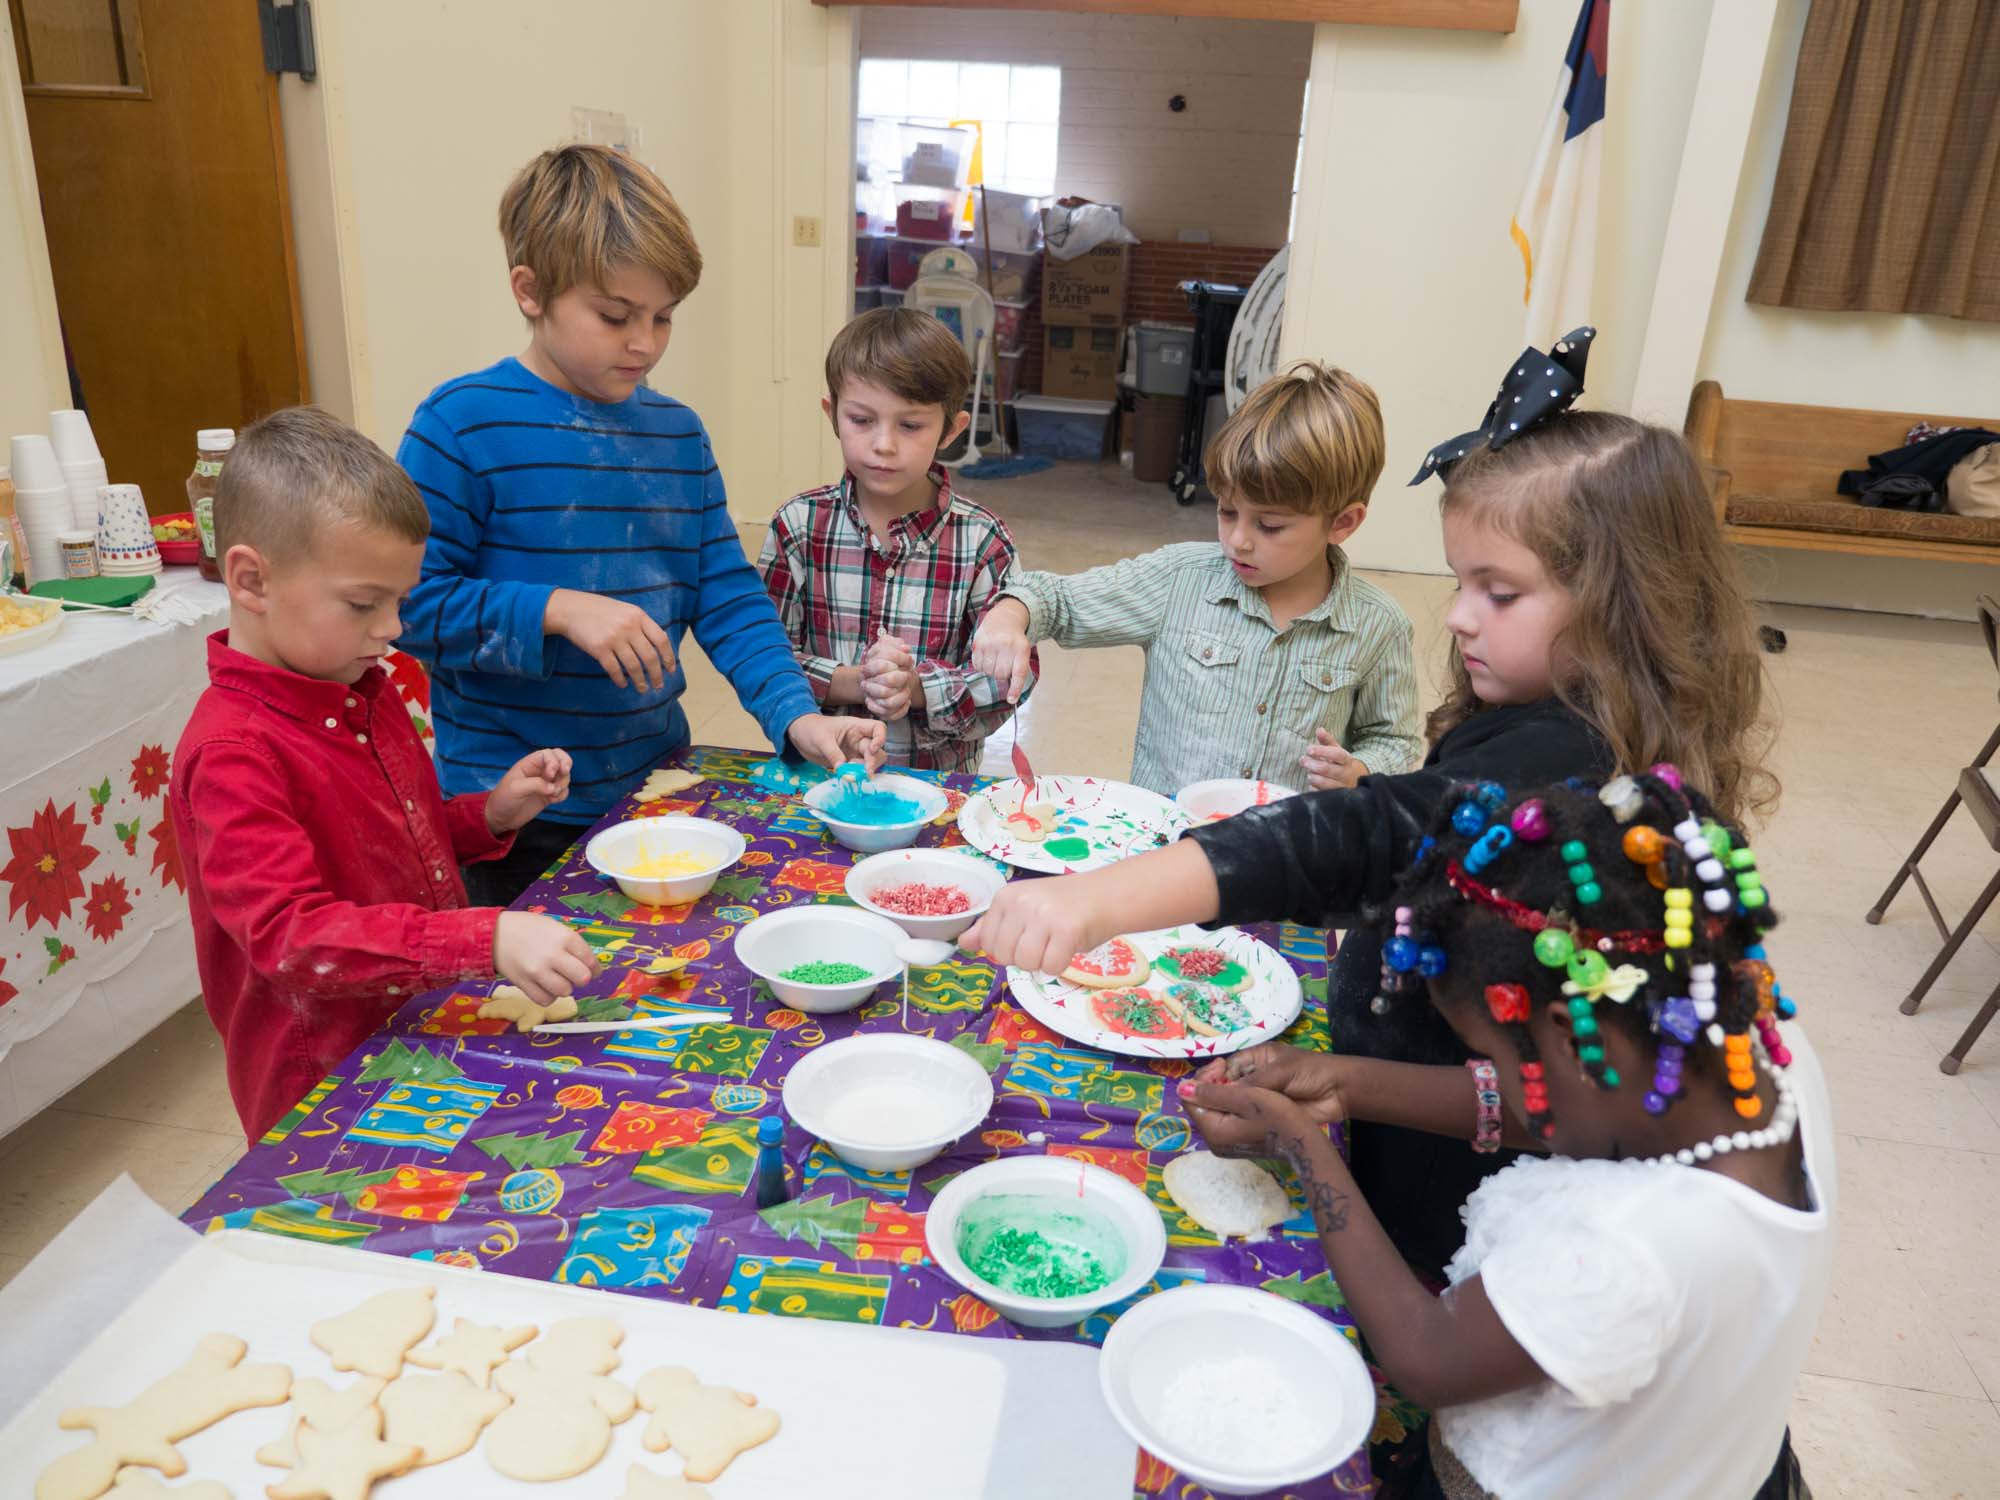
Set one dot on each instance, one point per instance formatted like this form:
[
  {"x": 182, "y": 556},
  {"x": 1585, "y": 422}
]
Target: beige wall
[
  {"x": 1417, "y": 145},
  {"x": 1223, "y": 165},
  {"x": 32, "y": 378}
]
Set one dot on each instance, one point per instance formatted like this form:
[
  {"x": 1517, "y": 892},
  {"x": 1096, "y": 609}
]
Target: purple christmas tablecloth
[{"x": 625, "y": 1159}]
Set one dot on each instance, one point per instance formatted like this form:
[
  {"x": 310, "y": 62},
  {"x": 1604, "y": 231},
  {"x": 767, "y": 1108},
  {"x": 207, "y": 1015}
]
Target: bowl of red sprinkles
[{"x": 929, "y": 893}]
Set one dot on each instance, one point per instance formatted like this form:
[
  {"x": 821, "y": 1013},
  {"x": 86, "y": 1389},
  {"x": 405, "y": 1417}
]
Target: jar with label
[
  {"x": 212, "y": 445},
  {"x": 79, "y": 553}
]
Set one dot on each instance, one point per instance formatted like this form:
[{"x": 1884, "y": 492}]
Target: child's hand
[
  {"x": 1236, "y": 1119},
  {"x": 1311, "y": 1080},
  {"x": 832, "y": 742},
  {"x": 1001, "y": 648},
  {"x": 1040, "y": 925},
  {"x": 536, "y": 781},
  {"x": 621, "y": 638},
  {"x": 888, "y": 678},
  {"x": 1328, "y": 767},
  {"x": 538, "y": 953}
]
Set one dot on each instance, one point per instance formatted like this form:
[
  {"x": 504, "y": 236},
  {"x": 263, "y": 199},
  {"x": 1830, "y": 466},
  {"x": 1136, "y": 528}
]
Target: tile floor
[{"x": 1878, "y": 713}]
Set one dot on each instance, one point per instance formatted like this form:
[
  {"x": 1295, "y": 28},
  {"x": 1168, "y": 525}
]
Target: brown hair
[
  {"x": 904, "y": 351},
  {"x": 1309, "y": 439},
  {"x": 574, "y": 214},
  {"x": 300, "y": 468},
  {"x": 1660, "y": 653}
]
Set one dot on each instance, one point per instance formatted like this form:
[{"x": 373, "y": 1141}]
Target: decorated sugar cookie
[
  {"x": 1031, "y": 824},
  {"x": 1209, "y": 966},
  {"x": 1111, "y": 965},
  {"x": 1206, "y": 1010},
  {"x": 1137, "y": 1012}
]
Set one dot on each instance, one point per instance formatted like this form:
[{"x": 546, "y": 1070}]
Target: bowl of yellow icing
[{"x": 667, "y": 861}]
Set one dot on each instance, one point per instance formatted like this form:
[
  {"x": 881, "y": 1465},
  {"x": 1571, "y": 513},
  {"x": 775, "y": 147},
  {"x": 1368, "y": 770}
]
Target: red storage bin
[{"x": 928, "y": 218}]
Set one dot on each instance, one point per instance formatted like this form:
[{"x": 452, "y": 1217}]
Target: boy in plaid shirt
[{"x": 881, "y": 578}]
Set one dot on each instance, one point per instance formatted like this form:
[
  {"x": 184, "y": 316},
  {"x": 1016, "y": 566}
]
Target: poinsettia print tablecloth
[
  {"x": 95, "y": 947},
  {"x": 625, "y": 1160}
]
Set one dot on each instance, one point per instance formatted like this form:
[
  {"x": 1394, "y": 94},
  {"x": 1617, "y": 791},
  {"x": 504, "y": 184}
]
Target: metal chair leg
[
  {"x": 1949, "y": 1063},
  {"x": 1958, "y": 936},
  {"x": 1909, "y": 866}
]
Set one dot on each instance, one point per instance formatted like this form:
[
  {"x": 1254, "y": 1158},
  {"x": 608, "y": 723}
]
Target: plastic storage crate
[
  {"x": 1161, "y": 352},
  {"x": 1062, "y": 427}
]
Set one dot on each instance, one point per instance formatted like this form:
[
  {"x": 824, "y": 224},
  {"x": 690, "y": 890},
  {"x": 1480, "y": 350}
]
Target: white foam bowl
[
  {"x": 1105, "y": 1196},
  {"x": 873, "y": 838},
  {"x": 885, "y": 1102},
  {"x": 616, "y": 850},
  {"x": 781, "y": 940},
  {"x": 1210, "y": 801},
  {"x": 978, "y": 879},
  {"x": 1175, "y": 1330}
]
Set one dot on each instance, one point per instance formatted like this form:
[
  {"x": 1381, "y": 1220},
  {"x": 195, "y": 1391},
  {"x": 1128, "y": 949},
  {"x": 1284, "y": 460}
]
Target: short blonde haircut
[
  {"x": 908, "y": 353},
  {"x": 299, "y": 469},
  {"x": 574, "y": 214},
  {"x": 1309, "y": 439}
]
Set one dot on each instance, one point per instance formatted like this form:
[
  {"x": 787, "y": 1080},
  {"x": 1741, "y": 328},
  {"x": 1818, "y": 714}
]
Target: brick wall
[{"x": 1159, "y": 267}]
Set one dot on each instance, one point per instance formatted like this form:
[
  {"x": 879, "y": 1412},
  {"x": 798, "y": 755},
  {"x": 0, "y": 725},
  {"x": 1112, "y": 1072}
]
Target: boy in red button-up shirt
[{"x": 321, "y": 858}]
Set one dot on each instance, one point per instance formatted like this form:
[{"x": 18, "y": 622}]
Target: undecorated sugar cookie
[
  {"x": 510, "y": 1003},
  {"x": 442, "y": 1415},
  {"x": 473, "y": 1349},
  {"x": 375, "y": 1336},
  {"x": 641, "y": 1483},
  {"x": 664, "y": 783},
  {"x": 1113, "y": 965},
  {"x": 343, "y": 1464},
  {"x": 325, "y": 1408},
  {"x": 144, "y": 1484},
  {"x": 564, "y": 1402},
  {"x": 211, "y": 1385},
  {"x": 1228, "y": 1198},
  {"x": 708, "y": 1425}
]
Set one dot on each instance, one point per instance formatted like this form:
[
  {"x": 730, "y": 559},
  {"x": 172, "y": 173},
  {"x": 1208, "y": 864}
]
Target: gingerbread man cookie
[
  {"x": 375, "y": 1336},
  {"x": 473, "y": 1349},
  {"x": 442, "y": 1415},
  {"x": 343, "y": 1464},
  {"x": 564, "y": 1403},
  {"x": 708, "y": 1425},
  {"x": 210, "y": 1386},
  {"x": 511, "y": 1004},
  {"x": 323, "y": 1407}
]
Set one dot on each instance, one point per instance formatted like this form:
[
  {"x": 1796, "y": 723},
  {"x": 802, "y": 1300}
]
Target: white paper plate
[
  {"x": 1098, "y": 823},
  {"x": 1272, "y": 1001}
]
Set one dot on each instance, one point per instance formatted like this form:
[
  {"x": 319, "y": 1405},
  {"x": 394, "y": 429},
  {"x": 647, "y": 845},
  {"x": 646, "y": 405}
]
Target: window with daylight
[{"x": 1017, "y": 109}]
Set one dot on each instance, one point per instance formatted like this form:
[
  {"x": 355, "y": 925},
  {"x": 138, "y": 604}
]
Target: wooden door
[{"x": 162, "y": 170}]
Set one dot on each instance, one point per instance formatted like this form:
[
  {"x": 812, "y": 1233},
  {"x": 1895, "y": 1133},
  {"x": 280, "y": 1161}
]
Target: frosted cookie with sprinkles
[
  {"x": 1202, "y": 965},
  {"x": 1206, "y": 1010},
  {"x": 1115, "y": 964},
  {"x": 1137, "y": 1012}
]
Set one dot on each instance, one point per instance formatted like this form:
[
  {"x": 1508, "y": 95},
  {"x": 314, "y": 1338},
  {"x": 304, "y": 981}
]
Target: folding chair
[{"x": 1979, "y": 789}]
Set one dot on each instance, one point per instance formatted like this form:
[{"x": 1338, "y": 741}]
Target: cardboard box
[
  {"x": 1080, "y": 362},
  {"x": 1088, "y": 291}
]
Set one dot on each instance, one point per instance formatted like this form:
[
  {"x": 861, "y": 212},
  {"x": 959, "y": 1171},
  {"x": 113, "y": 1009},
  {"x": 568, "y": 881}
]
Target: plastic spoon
[{"x": 651, "y": 1023}]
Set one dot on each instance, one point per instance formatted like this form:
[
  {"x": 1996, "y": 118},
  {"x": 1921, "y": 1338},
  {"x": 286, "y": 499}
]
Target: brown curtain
[{"x": 1888, "y": 192}]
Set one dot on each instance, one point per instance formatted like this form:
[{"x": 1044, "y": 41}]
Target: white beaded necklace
[{"x": 1784, "y": 1122}]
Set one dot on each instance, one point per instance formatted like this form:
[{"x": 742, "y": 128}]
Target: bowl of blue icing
[{"x": 883, "y": 812}]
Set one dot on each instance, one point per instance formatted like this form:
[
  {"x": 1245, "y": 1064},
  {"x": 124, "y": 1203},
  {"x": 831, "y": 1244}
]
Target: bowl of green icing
[{"x": 1045, "y": 1240}]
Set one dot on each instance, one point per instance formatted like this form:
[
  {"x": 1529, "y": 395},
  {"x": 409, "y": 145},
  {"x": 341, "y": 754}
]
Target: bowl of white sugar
[
  {"x": 885, "y": 1102},
  {"x": 1240, "y": 1390}
]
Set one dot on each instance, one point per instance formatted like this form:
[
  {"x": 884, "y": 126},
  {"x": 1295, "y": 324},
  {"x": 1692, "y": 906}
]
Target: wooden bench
[{"x": 1773, "y": 470}]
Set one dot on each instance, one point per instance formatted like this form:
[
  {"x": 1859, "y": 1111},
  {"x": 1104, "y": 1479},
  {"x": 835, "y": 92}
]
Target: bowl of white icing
[
  {"x": 1239, "y": 1390},
  {"x": 886, "y": 1103}
]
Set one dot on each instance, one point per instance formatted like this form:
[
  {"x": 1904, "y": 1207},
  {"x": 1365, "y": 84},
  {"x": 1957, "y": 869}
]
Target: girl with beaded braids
[{"x": 1629, "y": 1313}]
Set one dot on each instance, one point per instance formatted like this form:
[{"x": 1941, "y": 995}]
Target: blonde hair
[
  {"x": 1309, "y": 439},
  {"x": 1660, "y": 654},
  {"x": 299, "y": 469},
  {"x": 574, "y": 214},
  {"x": 907, "y": 352}
]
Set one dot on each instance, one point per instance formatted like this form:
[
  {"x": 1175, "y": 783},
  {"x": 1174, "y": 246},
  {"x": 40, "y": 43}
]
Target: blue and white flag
[{"x": 1556, "y": 225}]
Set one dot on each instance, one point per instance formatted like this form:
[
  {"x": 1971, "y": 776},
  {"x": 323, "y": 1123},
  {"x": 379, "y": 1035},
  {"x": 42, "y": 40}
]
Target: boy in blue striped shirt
[{"x": 578, "y": 525}]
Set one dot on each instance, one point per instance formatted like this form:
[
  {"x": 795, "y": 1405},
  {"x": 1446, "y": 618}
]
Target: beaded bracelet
[{"x": 1486, "y": 1089}]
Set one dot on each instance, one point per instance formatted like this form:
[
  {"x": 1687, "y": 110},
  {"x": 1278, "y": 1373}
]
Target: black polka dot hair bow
[{"x": 1537, "y": 387}]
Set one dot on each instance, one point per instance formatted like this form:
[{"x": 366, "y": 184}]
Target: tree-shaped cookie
[
  {"x": 374, "y": 1337},
  {"x": 211, "y": 1385},
  {"x": 343, "y": 1464},
  {"x": 708, "y": 1425},
  {"x": 442, "y": 1415},
  {"x": 564, "y": 1402},
  {"x": 473, "y": 1349},
  {"x": 325, "y": 1408}
]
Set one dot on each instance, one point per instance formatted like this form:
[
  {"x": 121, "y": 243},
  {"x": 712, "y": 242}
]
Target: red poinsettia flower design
[
  {"x": 149, "y": 771},
  {"x": 166, "y": 853},
  {"x": 413, "y": 683},
  {"x": 7, "y": 991},
  {"x": 110, "y": 904},
  {"x": 46, "y": 873}
]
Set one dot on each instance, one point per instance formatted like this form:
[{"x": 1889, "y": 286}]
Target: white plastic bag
[{"x": 1073, "y": 231}]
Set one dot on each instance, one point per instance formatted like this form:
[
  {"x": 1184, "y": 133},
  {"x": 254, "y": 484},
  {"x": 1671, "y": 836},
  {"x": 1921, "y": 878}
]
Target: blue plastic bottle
[{"x": 771, "y": 1189}]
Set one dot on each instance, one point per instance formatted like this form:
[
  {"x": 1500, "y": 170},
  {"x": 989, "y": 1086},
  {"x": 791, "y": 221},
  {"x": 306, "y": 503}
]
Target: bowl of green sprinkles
[
  {"x": 1045, "y": 1240},
  {"x": 820, "y": 958}
]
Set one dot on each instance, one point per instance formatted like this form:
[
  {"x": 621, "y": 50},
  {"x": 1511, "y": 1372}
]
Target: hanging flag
[{"x": 1556, "y": 225}]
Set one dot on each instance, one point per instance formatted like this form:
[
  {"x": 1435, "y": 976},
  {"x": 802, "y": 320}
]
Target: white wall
[
  {"x": 33, "y": 379},
  {"x": 1417, "y": 146},
  {"x": 1890, "y": 361},
  {"x": 1223, "y": 165}
]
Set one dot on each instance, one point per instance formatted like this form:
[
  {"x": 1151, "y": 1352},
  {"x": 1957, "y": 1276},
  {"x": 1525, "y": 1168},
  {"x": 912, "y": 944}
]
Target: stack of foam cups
[
  {"x": 42, "y": 501},
  {"x": 83, "y": 468}
]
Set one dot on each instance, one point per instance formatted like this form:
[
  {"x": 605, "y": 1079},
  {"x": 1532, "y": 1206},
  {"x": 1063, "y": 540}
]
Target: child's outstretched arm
[{"x": 1438, "y": 1351}]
